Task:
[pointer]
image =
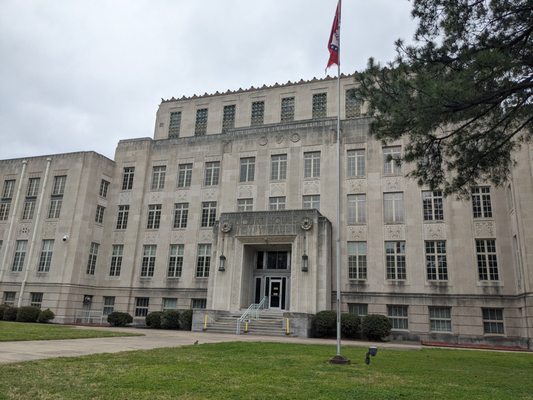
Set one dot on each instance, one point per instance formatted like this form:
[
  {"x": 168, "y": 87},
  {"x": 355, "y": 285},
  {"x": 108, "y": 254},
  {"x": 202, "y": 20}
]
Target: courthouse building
[{"x": 232, "y": 202}]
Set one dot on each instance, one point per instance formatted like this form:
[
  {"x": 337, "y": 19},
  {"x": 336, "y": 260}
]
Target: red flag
[{"x": 335, "y": 39}]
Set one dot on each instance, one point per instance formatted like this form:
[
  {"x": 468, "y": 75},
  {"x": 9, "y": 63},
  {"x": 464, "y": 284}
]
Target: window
[
  {"x": 9, "y": 188},
  {"x": 200, "y": 127},
  {"x": 432, "y": 202},
  {"x": 93, "y": 254},
  {"x": 198, "y": 303},
  {"x": 5, "y": 205},
  {"x": 203, "y": 261},
  {"x": 393, "y": 208},
  {"x": 56, "y": 200},
  {"x": 357, "y": 260},
  {"x": 440, "y": 319},
  {"x": 487, "y": 262},
  {"x": 158, "y": 177},
  {"x": 258, "y": 113},
  {"x": 154, "y": 216},
  {"x": 398, "y": 317},
  {"x": 59, "y": 185},
  {"x": 356, "y": 209},
  {"x": 55, "y": 207},
  {"x": 36, "y": 299},
  {"x": 353, "y": 105},
  {"x": 228, "y": 117},
  {"x": 175, "y": 260},
  {"x": 184, "y": 175},
  {"x": 141, "y": 306},
  {"x": 127, "y": 178},
  {"x": 31, "y": 196},
  {"x": 493, "y": 321},
  {"x": 104, "y": 186},
  {"x": 122, "y": 217},
  {"x": 9, "y": 298},
  {"x": 109, "y": 305},
  {"x": 312, "y": 164},
  {"x": 148, "y": 263},
  {"x": 287, "y": 109},
  {"x": 116, "y": 260},
  {"x": 275, "y": 259},
  {"x": 29, "y": 208},
  {"x": 276, "y": 203},
  {"x": 99, "y": 218},
  {"x": 278, "y": 167},
  {"x": 174, "y": 124},
  {"x": 181, "y": 214},
  {"x": 355, "y": 163},
  {"x": 45, "y": 259},
  {"x": 395, "y": 260},
  {"x": 481, "y": 203},
  {"x": 245, "y": 205},
  {"x": 320, "y": 105},
  {"x": 311, "y": 201},
  {"x": 209, "y": 213},
  {"x": 391, "y": 160},
  {"x": 212, "y": 173},
  {"x": 436, "y": 265},
  {"x": 20, "y": 255},
  {"x": 169, "y": 303},
  {"x": 359, "y": 309},
  {"x": 33, "y": 187},
  {"x": 247, "y": 169}
]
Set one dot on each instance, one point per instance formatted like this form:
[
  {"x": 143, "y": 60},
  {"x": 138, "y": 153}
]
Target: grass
[
  {"x": 17, "y": 331},
  {"x": 272, "y": 371}
]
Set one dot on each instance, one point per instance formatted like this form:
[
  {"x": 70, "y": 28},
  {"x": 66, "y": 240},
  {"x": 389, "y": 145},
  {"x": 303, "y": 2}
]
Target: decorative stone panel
[
  {"x": 311, "y": 187},
  {"x": 295, "y": 137},
  {"x": 23, "y": 231},
  {"x": 209, "y": 194},
  {"x": 155, "y": 197},
  {"x": 205, "y": 236},
  {"x": 434, "y": 232},
  {"x": 151, "y": 237},
  {"x": 124, "y": 198},
  {"x": 394, "y": 232},
  {"x": 357, "y": 233},
  {"x": 484, "y": 229},
  {"x": 118, "y": 236},
  {"x": 393, "y": 184},
  {"x": 277, "y": 189},
  {"x": 49, "y": 229},
  {"x": 182, "y": 195},
  {"x": 356, "y": 185},
  {"x": 245, "y": 191},
  {"x": 177, "y": 236}
]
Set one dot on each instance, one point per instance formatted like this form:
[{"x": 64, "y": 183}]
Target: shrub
[
  {"x": 2, "y": 308},
  {"x": 117, "y": 318},
  {"x": 350, "y": 326},
  {"x": 186, "y": 320},
  {"x": 45, "y": 316},
  {"x": 324, "y": 324},
  {"x": 170, "y": 319},
  {"x": 376, "y": 327},
  {"x": 28, "y": 314},
  {"x": 10, "y": 313},
  {"x": 153, "y": 320}
]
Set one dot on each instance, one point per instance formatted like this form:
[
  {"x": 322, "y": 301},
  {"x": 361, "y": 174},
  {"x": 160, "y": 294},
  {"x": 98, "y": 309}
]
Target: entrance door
[{"x": 275, "y": 293}]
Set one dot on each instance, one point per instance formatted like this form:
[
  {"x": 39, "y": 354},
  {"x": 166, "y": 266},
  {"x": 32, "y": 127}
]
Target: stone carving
[
  {"x": 434, "y": 231},
  {"x": 295, "y": 138},
  {"x": 245, "y": 191},
  {"x": 357, "y": 232},
  {"x": 312, "y": 187},
  {"x": 156, "y": 197},
  {"x": 277, "y": 189},
  {"x": 177, "y": 236},
  {"x": 226, "y": 226},
  {"x": 124, "y": 198},
  {"x": 394, "y": 232},
  {"x": 279, "y": 138},
  {"x": 24, "y": 230},
  {"x": 263, "y": 141},
  {"x": 392, "y": 184},
  {"x": 151, "y": 237},
  {"x": 118, "y": 237},
  {"x": 484, "y": 229},
  {"x": 209, "y": 194},
  {"x": 307, "y": 223},
  {"x": 206, "y": 236},
  {"x": 226, "y": 146},
  {"x": 49, "y": 229},
  {"x": 181, "y": 195},
  {"x": 357, "y": 186}
]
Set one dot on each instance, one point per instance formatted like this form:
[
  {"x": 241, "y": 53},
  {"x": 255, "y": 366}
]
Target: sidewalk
[{"x": 11, "y": 352}]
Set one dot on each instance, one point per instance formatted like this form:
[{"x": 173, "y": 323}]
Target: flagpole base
[{"x": 339, "y": 360}]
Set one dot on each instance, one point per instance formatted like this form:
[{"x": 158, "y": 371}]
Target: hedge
[
  {"x": 153, "y": 320},
  {"x": 117, "y": 318},
  {"x": 376, "y": 327},
  {"x": 28, "y": 314},
  {"x": 186, "y": 320},
  {"x": 10, "y": 313},
  {"x": 170, "y": 319},
  {"x": 45, "y": 316}
]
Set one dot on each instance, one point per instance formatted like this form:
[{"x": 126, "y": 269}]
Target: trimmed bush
[
  {"x": 350, "y": 326},
  {"x": 325, "y": 324},
  {"x": 186, "y": 320},
  {"x": 153, "y": 320},
  {"x": 117, "y": 318},
  {"x": 170, "y": 319},
  {"x": 10, "y": 313},
  {"x": 376, "y": 327},
  {"x": 2, "y": 308},
  {"x": 45, "y": 316},
  {"x": 28, "y": 314}
]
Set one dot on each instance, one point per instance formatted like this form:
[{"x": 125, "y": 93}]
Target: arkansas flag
[{"x": 335, "y": 38}]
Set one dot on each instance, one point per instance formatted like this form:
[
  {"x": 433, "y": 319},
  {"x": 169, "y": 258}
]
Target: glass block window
[
  {"x": 399, "y": 317},
  {"x": 436, "y": 264},
  {"x": 36, "y": 299},
  {"x": 440, "y": 319},
  {"x": 320, "y": 105},
  {"x": 170, "y": 303},
  {"x": 148, "y": 262},
  {"x": 58, "y": 189},
  {"x": 9, "y": 298},
  {"x": 258, "y": 113},
  {"x": 493, "y": 321},
  {"x": 433, "y": 206},
  {"x": 278, "y": 167},
  {"x": 20, "y": 255},
  {"x": 247, "y": 172},
  {"x": 209, "y": 213},
  {"x": 203, "y": 261},
  {"x": 174, "y": 124},
  {"x": 184, "y": 175},
  {"x": 311, "y": 201},
  {"x": 359, "y": 309},
  {"x": 356, "y": 209},
  {"x": 154, "y": 216},
  {"x": 353, "y": 105},
  {"x": 116, "y": 260},
  {"x": 287, "y": 109},
  {"x": 181, "y": 215},
  {"x": 212, "y": 173},
  {"x": 91, "y": 262},
  {"x": 395, "y": 260},
  {"x": 33, "y": 187},
  {"x": 392, "y": 160},
  {"x": 109, "y": 305},
  {"x": 45, "y": 258},
  {"x": 200, "y": 128},
  {"x": 356, "y": 163},
  {"x": 245, "y": 205},
  {"x": 198, "y": 303},
  {"x": 127, "y": 178},
  {"x": 276, "y": 203},
  {"x": 312, "y": 164},
  {"x": 158, "y": 177},
  {"x": 357, "y": 260},
  {"x": 487, "y": 261},
  {"x": 393, "y": 208},
  {"x": 104, "y": 187},
  {"x": 8, "y": 189},
  {"x": 481, "y": 203},
  {"x": 141, "y": 306},
  {"x": 99, "y": 217},
  {"x": 175, "y": 260},
  {"x": 29, "y": 208},
  {"x": 122, "y": 216},
  {"x": 228, "y": 117}
]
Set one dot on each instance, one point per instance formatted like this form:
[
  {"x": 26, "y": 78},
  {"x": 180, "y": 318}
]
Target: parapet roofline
[{"x": 252, "y": 88}]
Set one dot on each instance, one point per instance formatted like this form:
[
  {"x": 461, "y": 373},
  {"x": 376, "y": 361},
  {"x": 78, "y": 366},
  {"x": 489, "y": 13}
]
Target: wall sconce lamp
[
  {"x": 305, "y": 263},
  {"x": 222, "y": 263}
]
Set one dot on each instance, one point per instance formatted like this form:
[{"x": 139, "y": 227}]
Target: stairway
[{"x": 269, "y": 323}]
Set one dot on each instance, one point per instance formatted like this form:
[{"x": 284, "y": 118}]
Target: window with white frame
[
  {"x": 356, "y": 163},
  {"x": 99, "y": 216},
  {"x": 122, "y": 216},
  {"x": 20, "y": 255},
  {"x": 493, "y": 321},
  {"x": 174, "y": 124},
  {"x": 245, "y": 205},
  {"x": 357, "y": 265},
  {"x": 5, "y": 201},
  {"x": 58, "y": 189},
  {"x": 209, "y": 214},
  {"x": 278, "y": 167},
  {"x": 36, "y": 299},
  {"x": 54, "y": 211},
  {"x": 287, "y": 109},
  {"x": 158, "y": 177},
  {"x": 181, "y": 215},
  {"x": 481, "y": 202},
  {"x": 395, "y": 260},
  {"x": 33, "y": 187},
  {"x": 5, "y": 206},
  {"x": 29, "y": 208},
  {"x": 312, "y": 164},
  {"x": 127, "y": 178},
  {"x": 440, "y": 319},
  {"x": 200, "y": 127},
  {"x": 228, "y": 117},
  {"x": 393, "y": 210},
  {"x": 104, "y": 187},
  {"x": 109, "y": 305},
  {"x": 198, "y": 303},
  {"x": 353, "y": 104},
  {"x": 432, "y": 201},
  {"x": 45, "y": 258},
  {"x": 311, "y": 201},
  {"x": 148, "y": 262},
  {"x": 247, "y": 173},
  {"x": 184, "y": 175},
  {"x": 392, "y": 160},
  {"x": 116, "y": 260},
  {"x": 320, "y": 105},
  {"x": 258, "y": 113},
  {"x": 56, "y": 200},
  {"x": 398, "y": 316},
  {"x": 91, "y": 262},
  {"x": 487, "y": 261},
  {"x": 175, "y": 260},
  {"x": 170, "y": 303},
  {"x": 9, "y": 298},
  {"x": 8, "y": 189},
  {"x": 141, "y": 306},
  {"x": 203, "y": 261},
  {"x": 276, "y": 203},
  {"x": 436, "y": 264},
  {"x": 356, "y": 209},
  {"x": 212, "y": 173},
  {"x": 359, "y": 309},
  {"x": 31, "y": 198},
  {"x": 154, "y": 216}
]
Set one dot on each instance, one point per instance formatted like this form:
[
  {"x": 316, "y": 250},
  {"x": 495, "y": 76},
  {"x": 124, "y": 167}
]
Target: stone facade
[{"x": 234, "y": 199}]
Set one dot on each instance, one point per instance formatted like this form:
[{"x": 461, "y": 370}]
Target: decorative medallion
[
  {"x": 263, "y": 141},
  {"x": 225, "y": 226},
  {"x": 307, "y": 223},
  {"x": 295, "y": 137},
  {"x": 279, "y": 138}
]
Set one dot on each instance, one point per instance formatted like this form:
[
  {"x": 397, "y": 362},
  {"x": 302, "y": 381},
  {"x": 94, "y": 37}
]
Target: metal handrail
[
  {"x": 251, "y": 312},
  {"x": 89, "y": 316}
]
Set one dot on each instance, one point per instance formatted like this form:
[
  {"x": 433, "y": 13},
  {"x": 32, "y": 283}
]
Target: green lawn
[
  {"x": 272, "y": 371},
  {"x": 16, "y": 331}
]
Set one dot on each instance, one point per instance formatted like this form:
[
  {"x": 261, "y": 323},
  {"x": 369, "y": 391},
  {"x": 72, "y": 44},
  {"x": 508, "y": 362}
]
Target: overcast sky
[{"x": 81, "y": 75}]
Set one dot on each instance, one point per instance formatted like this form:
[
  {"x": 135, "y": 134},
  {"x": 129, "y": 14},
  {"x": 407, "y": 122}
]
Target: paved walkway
[{"x": 40, "y": 349}]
